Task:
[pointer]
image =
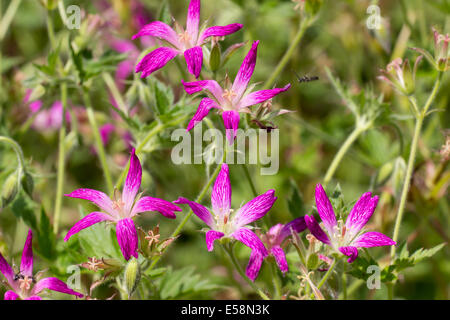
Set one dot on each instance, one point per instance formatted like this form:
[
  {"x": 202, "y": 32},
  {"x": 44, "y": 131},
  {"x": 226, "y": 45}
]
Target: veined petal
[
  {"x": 199, "y": 210},
  {"x": 7, "y": 271},
  {"x": 54, "y": 284},
  {"x": 254, "y": 265},
  {"x": 351, "y": 252},
  {"x": 193, "y": 19},
  {"x": 99, "y": 198},
  {"x": 325, "y": 210},
  {"x": 155, "y": 60},
  {"x": 221, "y": 193},
  {"x": 194, "y": 60},
  {"x": 297, "y": 225},
  {"x": 127, "y": 237},
  {"x": 361, "y": 213},
  {"x": 255, "y": 209},
  {"x": 373, "y": 239},
  {"x": 245, "y": 72},
  {"x": 316, "y": 230},
  {"x": 86, "y": 222},
  {"x": 251, "y": 240},
  {"x": 34, "y": 298},
  {"x": 231, "y": 120},
  {"x": 164, "y": 207},
  {"x": 160, "y": 30},
  {"x": 219, "y": 31},
  {"x": 26, "y": 265},
  {"x": 212, "y": 236},
  {"x": 261, "y": 96},
  {"x": 203, "y": 109},
  {"x": 280, "y": 258},
  {"x": 132, "y": 182},
  {"x": 209, "y": 85},
  {"x": 10, "y": 295}
]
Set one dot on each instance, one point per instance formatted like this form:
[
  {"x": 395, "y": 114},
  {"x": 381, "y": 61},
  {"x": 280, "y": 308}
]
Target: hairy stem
[{"x": 276, "y": 281}]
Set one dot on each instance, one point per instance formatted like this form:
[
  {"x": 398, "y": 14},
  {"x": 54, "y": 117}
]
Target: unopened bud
[
  {"x": 10, "y": 189},
  {"x": 215, "y": 58},
  {"x": 132, "y": 276}
]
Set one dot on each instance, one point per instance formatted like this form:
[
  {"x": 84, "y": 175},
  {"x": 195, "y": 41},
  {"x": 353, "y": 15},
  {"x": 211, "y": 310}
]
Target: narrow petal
[
  {"x": 212, "y": 236},
  {"x": 155, "y": 60},
  {"x": 132, "y": 182},
  {"x": 164, "y": 207},
  {"x": 231, "y": 122},
  {"x": 127, "y": 237},
  {"x": 219, "y": 31},
  {"x": 194, "y": 60},
  {"x": 250, "y": 239},
  {"x": 361, "y": 213},
  {"x": 221, "y": 193},
  {"x": 34, "y": 298},
  {"x": 255, "y": 209},
  {"x": 199, "y": 210},
  {"x": 254, "y": 265},
  {"x": 6, "y": 270},
  {"x": 203, "y": 109},
  {"x": 209, "y": 85},
  {"x": 351, "y": 252},
  {"x": 261, "y": 96},
  {"x": 245, "y": 72},
  {"x": 297, "y": 225},
  {"x": 26, "y": 265},
  {"x": 316, "y": 230},
  {"x": 373, "y": 239},
  {"x": 54, "y": 284},
  {"x": 160, "y": 30},
  {"x": 11, "y": 295},
  {"x": 86, "y": 222},
  {"x": 325, "y": 210},
  {"x": 193, "y": 19},
  {"x": 99, "y": 198},
  {"x": 280, "y": 258}
]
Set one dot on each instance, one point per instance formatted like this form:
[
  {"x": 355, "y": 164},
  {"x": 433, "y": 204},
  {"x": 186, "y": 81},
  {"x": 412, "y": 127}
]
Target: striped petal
[
  {"x": 351, "y": 252},
  {"x": 203, "y": 109},
  {"x": 99, "y": 198},
  {"x": 7, "y": 271},
  {"x": 325, "y": 210},
  {"x": 127, "y": 237},
  {"x": 316, "y": 230},
  {"x": 208, "y": 85},
  {"x": 255, "y": 209},
  {"x": 231, "y": 120},
  {"x": 280, "y": 258},
  {"x": 219, "y": 31},
  {"x": 361, "y": 213},
  {"x": 54, "y": 284},
  {"x": 254, "y": 265},
  {"x": 155, "y": 60},
  {"x": 212, "y": 236},
  {"x": 297, "y": 225},
  {"x": 250, "y": 239},
  {"x": 261, "y": 96},
  {"x": 164, "y": 207},
  {"x": 86, "y": 222},
  {"x": 245, "y": 72},
  {"x": 194, "y": 60},
  {"x": 221, "y": 193},
  {"x": 26, "y": 265},
  {"x": 193, "y": 19},
  {"x": 10, "y": 295},
  {"x": 159, "y": 30},
  {"x": 373, "y": 239},
  {"x": 132, "y": 182},
  {"x": 199, "y": 210}
]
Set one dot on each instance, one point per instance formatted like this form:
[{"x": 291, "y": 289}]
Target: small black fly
[
  {"x": 305, "y": 78},
  {"x": 19, "y": 276}
]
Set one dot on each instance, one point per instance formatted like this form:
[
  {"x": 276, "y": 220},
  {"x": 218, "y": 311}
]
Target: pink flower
[
  {"x": 223, "y": 223},
  {"x": 122, "y": 209},
  {"x": 346, "y": 239},
  {"x": 182, "y": 42},
  {"x": 23, "y": 283},
  {"x": 233, "y": 100}
]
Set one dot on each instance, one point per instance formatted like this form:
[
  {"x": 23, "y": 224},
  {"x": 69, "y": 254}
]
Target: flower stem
[
  {"x": 7, "y": 18},
  {"x": 250, "y": 181},
  {"x": 276, "y": 281},
  {"x": 327, "y": 275},
  {"x": 287, "y": 56},
  {"x": 114, "y": 91}
]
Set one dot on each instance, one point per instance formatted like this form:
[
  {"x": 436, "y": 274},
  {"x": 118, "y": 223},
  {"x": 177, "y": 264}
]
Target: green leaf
[
  {"x": 46, "y": 237},
  {"x": 360, "y": 267},
  {"x": 22, "y": 208},
  {"x": 163, "y": 96},
  {"x": 296, "y": 204}
]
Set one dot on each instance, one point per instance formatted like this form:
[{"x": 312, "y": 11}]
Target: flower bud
[
  {"x": 132, "y": 276},
  {"x": 27, "y": 184},
  {"x": 398, "y": 176},
  {"x": 10, "y": 189},
  {"x": 313, "y": 262},
  {"x": 440, "y": 60},
  {"x": 215, "y": 58},
  {"x": 399, "y": 75}
]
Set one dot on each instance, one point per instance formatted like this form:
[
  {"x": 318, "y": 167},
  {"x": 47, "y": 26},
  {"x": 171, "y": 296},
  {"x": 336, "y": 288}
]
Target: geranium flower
[
  {"x": 347, "y": 238},
  {"x": 234, "y": 99},
  {"x": 183, "y": 42},
  {"x": 224, "y": 223},
  {"x": 23, "y": 284},
  {"x": 122, "y": 209}
]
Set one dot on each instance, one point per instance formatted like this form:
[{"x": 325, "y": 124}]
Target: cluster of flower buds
[
  {"x": 150, "y": 242},
  {"x": 440, "y": 60},
  {"x": 399, "y": 75}
]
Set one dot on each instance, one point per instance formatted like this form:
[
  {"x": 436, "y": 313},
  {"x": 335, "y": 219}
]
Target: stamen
[
  {"x": 229, "y": 94},
  {"x": 25, "y": 283}
]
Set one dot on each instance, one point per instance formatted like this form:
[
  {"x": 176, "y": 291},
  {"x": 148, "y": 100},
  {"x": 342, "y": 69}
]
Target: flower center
[
  {"x": 229, "y": 94},
  {"x": 25, "y": 283},
  {"x": 185, "y": 38}
]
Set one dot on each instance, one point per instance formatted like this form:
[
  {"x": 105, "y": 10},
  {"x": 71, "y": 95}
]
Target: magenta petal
[
  {"x": 193, "y": 19},
  {"x": 99, "y": 198},
  {"x": 245, "y": 72},
  {"x": 325, "y": 209},
  {"x": 209, "y": 85},
  {"x": 155, "y": 60},
  {"x": 10, "y": 295},
  {"x": 203, "y": 109},
  {"x": 194, "y": 60},
  {"x": 199, "y": 210},
  {"x": 127, "y": 237},
  {"x": 132, "y": 182},
  {"x": 212, "y": 236},
  {"x": 219, "y": 31},
  {"x": 261, "y": 96},
  {"x": 231, "y": 122},
  {"x": 255, "y": 209},
  {"x": 373, "y": 239},
  {"x": 6, "y": 270},
  {"x": 250, "y": 239},
  {"x": 221, "y": 193},
  {"x": 164, "y": 207},
  {"x": 254, "y": 265},
  {"x": 316, "y": 230},
  {"x": 26, "y": 265},
  {"x": 361, "y": 213},
  {"x": 160, "y": 30},
  {"x": 34, "y": 298},
  {"x": 280, "y": 258},
  {"x": 86, "y": 222},
  {"x": 351, "y": 252},
  {"x": 297, "y": 225},
  {"x": 54, "y": 284}
]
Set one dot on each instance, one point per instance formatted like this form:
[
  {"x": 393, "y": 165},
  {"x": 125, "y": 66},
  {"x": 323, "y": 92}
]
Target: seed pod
[
  {"x": 132, "y": 276},
  {"x": 10, "y": 189},
  {"x": 313, "y": 262},
  {"x": 27, "y": 184},
  {"x": 215, "y": 58}
]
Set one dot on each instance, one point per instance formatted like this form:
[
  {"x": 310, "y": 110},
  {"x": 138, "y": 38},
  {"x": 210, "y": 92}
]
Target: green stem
[
  {"x": 17, "y": 150},
  {"x": 327, "y": 275},
  {"x": 114, "y": 91},
  {"x": 249, "y": 178},
  {"x": 287, "y": 56},
  {"x": 7, "y": 18},
  {"x": 344, "y": 282},
  {"x": 276, "y": 281},
  {"x": 98, "y": 141}
]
